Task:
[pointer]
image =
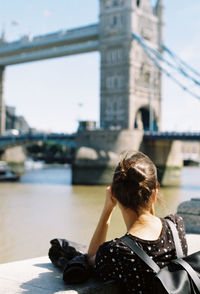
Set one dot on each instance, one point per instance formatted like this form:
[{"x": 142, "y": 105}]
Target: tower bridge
[
  {"x": 130, "y": 91},
  {"x": 128, "y": 76}
]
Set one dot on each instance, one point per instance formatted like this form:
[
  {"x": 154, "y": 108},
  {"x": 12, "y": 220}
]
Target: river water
[{"x": 44, "y": 205}]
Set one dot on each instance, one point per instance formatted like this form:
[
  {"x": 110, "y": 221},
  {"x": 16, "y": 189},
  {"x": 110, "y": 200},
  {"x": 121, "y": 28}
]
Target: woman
[{"x": 134, "y": 189}]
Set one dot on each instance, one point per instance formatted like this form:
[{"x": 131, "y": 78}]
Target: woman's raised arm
[{"x": 99, "y": 236}]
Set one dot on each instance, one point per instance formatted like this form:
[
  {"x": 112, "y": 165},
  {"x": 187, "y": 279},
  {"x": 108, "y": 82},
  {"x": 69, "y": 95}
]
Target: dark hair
[{"x": 134, "y": 180}]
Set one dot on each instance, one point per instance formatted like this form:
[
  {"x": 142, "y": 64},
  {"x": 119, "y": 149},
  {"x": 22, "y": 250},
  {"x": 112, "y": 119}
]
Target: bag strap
[
  {"x": 177, "y": 242},
  {"x": 140, "y": 253},
  {"x": 145, "y": 257},
  {"x": 193, "y": 275}
]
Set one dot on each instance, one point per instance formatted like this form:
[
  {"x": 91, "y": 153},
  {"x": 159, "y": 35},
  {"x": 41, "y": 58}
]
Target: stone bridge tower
[
  {"x": 130, "y": 96},
  {"x": 130, "y": 82}
]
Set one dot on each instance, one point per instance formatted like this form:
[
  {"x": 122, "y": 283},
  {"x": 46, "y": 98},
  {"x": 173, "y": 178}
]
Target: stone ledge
[
  {"x": 190, "y": 212},
  {"x": 40, "y": 276}
]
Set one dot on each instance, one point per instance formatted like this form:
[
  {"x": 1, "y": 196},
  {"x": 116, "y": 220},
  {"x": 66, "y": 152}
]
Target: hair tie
[{"x": 123, "y": 175}]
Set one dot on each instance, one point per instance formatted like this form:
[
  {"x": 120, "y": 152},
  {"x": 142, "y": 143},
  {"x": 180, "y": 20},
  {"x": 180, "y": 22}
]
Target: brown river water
[{"x": 44, "y": 205}]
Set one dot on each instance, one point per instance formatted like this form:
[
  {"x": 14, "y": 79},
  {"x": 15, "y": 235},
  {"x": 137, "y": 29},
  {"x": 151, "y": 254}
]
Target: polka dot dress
[{"x": 116, "y": 261}]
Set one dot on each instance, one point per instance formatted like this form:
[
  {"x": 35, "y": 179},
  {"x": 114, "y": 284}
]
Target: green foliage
[{"x": 51, "y": 152}]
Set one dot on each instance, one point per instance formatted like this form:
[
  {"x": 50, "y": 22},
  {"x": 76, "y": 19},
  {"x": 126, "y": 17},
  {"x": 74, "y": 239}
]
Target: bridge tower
[
  {"x": 130, "y": 82},
  {"x": 130, "y": 92}
]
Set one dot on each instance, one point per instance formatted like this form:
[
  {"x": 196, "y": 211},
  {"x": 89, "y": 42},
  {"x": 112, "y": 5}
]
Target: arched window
[
  {"x": 114, "y": 20},
  {"x": 116, "y": 82}
]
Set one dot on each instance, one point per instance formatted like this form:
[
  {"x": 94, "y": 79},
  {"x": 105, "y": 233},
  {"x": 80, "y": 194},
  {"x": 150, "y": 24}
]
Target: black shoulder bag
[{"x": 180, "y": 276}]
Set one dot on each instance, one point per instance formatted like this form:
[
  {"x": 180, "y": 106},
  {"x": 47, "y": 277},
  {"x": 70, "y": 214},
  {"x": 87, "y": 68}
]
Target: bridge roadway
[
  {"x": 69, "y": 139},
  {"x": 61, "y": 43},
  {"x": 182, "y": 136},
  {"x": 11, "y": 140}
]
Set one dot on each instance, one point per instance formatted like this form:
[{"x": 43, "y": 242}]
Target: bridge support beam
[
  {"x": 2, "y": 102},
  {"x": 166, "y": 154}
]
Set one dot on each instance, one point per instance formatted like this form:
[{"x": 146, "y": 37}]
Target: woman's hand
[{"x": 110, "y": 200}]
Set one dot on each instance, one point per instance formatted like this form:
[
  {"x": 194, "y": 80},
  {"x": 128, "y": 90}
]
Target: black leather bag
[
  {"x": 180, "y": 276},
  {"x": 73, "y": 263}
]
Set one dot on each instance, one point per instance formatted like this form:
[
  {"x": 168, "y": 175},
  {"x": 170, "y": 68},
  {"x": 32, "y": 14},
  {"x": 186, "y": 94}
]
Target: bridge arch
[{"x": 142, "y": 119}]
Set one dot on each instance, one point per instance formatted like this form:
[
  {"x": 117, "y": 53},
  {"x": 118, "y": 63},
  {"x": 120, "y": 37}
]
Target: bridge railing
[
  {"x": 183, "y": 136},
  {"x": 11, "y": 140},
  {"x": 63, "y": 36}
]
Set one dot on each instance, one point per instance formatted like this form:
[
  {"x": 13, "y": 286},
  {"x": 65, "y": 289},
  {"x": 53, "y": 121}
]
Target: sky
[{"x": 54, "y": 94}]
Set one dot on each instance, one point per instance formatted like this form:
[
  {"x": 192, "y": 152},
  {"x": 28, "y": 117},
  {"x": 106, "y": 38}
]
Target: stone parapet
[
  {"x": 190, "y": 212},
  {"x": 39, "y": 276}
]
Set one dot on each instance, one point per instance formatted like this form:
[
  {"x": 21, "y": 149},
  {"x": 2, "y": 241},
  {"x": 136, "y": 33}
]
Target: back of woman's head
[{"x": 134, "y": 181}]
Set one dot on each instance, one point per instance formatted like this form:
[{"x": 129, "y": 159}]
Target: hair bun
[{"x": 134, "y": 181}]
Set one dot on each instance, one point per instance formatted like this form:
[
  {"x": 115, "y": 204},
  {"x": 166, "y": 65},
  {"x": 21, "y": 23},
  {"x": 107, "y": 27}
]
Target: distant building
[{"x": 15, "y": 122}]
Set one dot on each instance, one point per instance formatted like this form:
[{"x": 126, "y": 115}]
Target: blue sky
[{"x": 48, "y": 93}]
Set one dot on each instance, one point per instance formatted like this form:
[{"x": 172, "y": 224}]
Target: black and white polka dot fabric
[{"x": 116, "y": 261}]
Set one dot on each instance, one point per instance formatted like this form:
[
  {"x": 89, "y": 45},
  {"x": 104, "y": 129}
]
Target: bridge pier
[
  {"x": 15, "y": 157},
  {"x": 98, "y": 153},
  {"x": 2, "y": 102},
  {"x": 166, "y": 154}
]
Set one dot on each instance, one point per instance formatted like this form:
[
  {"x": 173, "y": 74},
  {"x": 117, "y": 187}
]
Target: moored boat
[{"x": 6, "y": 174}]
